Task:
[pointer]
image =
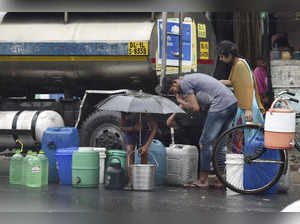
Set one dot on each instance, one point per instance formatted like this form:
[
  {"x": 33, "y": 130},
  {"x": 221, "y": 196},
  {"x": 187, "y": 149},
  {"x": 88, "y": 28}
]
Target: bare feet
[
  {"x": 202, "y": 183},
  {"x": 128, "y": 187},
  {"x": 203, "y": 180},
  {"x": 218, "y": 184},
  {"x": 197, "y": 184}
]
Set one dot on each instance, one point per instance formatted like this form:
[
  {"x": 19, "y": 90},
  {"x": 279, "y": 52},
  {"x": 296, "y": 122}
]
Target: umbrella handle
[{"x": 140, "y": 134}]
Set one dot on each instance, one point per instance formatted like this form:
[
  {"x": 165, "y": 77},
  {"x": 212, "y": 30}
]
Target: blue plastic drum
[
  {"x": 64, "y": 165},
  {"x": 54, "y": 139},
  {"x": 253, "y": 175}
]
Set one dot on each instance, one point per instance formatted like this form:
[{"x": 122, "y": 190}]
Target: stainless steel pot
[{"x": 143, "y": 176}]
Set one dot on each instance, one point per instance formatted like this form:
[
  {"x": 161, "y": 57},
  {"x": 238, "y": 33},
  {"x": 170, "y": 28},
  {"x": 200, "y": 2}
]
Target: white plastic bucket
[
  {"x": 102, "y": 156},
  {"x": 280, "y": 127},
  {"x": 235, "y": 171}
]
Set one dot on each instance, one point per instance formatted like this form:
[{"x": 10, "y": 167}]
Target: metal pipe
[
  {"x": 164, "y": 49},
  {"x": 180, "y": 44},
  {"x": 66, "y": 18},
  {"x": 152, "y": 16}
]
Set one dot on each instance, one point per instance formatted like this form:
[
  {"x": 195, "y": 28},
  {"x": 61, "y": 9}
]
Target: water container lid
[
  {"x": 157, "y": 146},
  {"x": 60, "y": 128},
  {"x": 85, "y": 149},
  {"x": 18, "y": 151},
  {"x": 66, "y": 151},
  {"x": 41, "y": 152},
  {"x": 100, "y": 149},
  {"x": 116, "y": 152},
  {"x": 29, "y": 152},
  {"x": 156, "y": 141}
]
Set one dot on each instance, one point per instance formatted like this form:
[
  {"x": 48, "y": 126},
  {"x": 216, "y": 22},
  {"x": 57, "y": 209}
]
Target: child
[
  {"x": 261, "y": 77},
  {"x": 132, "y": 126}
]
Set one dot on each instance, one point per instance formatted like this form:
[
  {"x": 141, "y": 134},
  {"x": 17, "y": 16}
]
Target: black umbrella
[{"x": 140, "y": 102}]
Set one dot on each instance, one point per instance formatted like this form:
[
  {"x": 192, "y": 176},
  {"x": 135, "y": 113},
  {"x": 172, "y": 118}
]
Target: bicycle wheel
[{"x": 243, "y": 164}]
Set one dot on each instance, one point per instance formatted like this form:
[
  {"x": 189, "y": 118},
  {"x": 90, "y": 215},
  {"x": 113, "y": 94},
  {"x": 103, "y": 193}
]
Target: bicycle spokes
[{"x": 243, "y": 164}]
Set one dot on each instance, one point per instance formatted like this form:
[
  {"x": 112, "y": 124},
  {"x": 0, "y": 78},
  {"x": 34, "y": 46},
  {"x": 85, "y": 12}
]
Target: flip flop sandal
[
  {"x": 219, "y": 187},
  {"x": 128, "y": 188},
  {"x": 202, "y": 187},
  {"x": 190, "y": 186}
]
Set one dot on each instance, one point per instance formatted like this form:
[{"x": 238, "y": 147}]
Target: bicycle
[{"x": 264, "y": 167}]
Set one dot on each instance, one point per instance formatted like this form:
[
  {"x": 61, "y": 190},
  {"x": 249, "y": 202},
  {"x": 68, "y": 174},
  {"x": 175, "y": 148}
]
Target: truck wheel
[{"x": 102, "y": 129}]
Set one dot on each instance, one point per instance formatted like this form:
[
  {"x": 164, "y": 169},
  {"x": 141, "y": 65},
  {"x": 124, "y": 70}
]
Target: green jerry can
[
  {"x": 85, "y": 167},
  {"x": 32, "y": 169},
  {"x": 28, "y": 155},
  {"x": 16, "y": 169},
  {"x": 44, "y": 167}
]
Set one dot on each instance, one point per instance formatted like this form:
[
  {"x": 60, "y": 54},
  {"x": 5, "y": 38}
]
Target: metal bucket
[{"x": 143, "y": 176}]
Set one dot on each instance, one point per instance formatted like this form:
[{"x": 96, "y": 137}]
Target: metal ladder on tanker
[{"x": 164, "y": 66}]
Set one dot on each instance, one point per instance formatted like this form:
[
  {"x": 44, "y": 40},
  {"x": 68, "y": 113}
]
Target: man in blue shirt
[{"x": 200, "y": 90}]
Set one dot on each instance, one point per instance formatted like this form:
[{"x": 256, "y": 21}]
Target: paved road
[{"x": 59, "y": 198}]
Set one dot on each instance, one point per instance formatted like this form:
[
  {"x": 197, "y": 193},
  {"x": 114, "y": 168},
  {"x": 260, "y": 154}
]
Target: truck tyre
[{"x": 102, "y": 129}]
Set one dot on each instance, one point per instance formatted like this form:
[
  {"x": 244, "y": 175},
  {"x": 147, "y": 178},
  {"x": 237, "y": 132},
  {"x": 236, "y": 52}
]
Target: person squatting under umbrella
[
  {"x": 200, "y": 90},
  {"x": 134, "y": 128}
]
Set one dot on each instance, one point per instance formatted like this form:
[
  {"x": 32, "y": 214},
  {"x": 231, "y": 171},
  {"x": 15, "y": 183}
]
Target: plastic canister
[
  {"x": 182, "y": 164},
  {"x": 112, "y": 153},
  {"x": 115, "y": 176},
  {"x": 44, "y": 167},
  {"x": 33, "y": 171},
  {"x": 25, "y": 175},
  {"x": 54, "y": 139},
  {"x": 85, "y": 167},
  {"x": 16, "y": 169},
  {"x": 64, "y": 165},
  {"x": 258, "y": 174},
  {"x": 102, "y": 156},
  {"x": 235, "y": 170}
]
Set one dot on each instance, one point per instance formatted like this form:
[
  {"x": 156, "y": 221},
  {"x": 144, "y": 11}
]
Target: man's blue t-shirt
[{"x": 210, "y": 92}]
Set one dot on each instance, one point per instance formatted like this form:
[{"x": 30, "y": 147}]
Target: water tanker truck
[{"x": 88, "y": 58}]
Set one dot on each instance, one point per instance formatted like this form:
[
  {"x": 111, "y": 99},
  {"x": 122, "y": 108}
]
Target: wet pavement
[{"x": 61, "y": 198}]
